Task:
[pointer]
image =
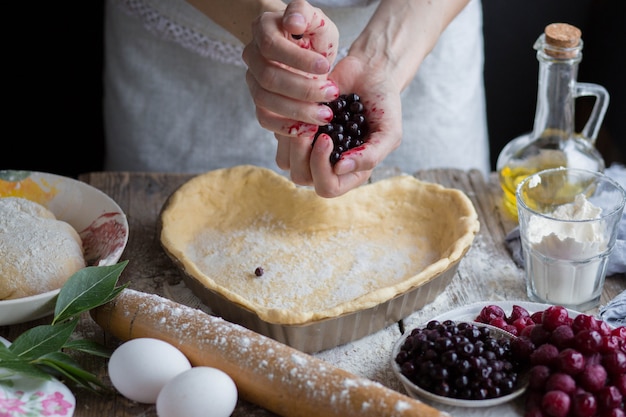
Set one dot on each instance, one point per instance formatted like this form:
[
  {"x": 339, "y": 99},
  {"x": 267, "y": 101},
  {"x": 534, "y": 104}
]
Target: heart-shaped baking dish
[{"x": 277, "y": 258}]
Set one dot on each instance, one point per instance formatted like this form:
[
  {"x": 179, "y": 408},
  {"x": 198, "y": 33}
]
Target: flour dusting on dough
[{"x": 300, "y": 270}]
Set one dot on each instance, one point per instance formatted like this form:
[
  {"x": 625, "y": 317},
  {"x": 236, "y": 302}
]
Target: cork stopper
[{"x": 562, "y": 40}]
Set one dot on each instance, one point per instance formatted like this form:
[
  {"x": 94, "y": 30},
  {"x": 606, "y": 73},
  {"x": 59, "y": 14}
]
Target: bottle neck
[{"x": 554, "y": 114}]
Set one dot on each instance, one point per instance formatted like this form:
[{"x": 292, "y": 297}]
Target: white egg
[
  {"x": 139, "y": 368},
  {"x": 201, "y": 391}
]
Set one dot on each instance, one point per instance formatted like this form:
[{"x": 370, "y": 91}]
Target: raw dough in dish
[
  {"x": 321, "y": 258},
  {"x": 38, "y": 253}
]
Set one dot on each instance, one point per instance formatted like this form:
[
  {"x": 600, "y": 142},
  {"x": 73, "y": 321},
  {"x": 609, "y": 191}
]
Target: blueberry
[{"x": 349, "y": 117}]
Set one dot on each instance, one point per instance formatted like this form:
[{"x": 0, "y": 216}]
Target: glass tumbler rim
[{"x": 597, "y": 174}]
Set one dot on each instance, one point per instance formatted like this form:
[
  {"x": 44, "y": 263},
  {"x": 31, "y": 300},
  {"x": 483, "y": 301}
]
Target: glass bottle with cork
[{"x": 553, "y": 141}]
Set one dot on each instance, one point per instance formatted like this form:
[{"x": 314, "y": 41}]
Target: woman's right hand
[{"x": 288, "y": 62}]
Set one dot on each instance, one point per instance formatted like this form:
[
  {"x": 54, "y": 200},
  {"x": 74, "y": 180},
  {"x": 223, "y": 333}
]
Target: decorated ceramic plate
[
  {"x": 469, "y": 313},
  {"x": 100, "y": 222},
  {"x": 22, "y": 395},
  {"x": 418, "y": 392}
]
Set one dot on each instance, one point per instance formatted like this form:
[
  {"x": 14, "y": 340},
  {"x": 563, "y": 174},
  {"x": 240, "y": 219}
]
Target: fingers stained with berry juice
[
  {"x": 300, "y": 130},
  {"x": 331, "y": 92},
  {"x": 311, "y": 29}
]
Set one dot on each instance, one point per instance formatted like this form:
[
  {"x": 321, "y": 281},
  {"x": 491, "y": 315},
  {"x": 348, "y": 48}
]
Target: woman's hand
[
  {"x": 288, "y": 62},
  {"x": 381, "y": 99},
  {"x": 288, "y": 78},
  {"x": 290, "y": 52}
]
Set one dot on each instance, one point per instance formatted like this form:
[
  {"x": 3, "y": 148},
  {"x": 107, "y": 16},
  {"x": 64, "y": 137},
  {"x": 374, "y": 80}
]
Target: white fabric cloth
[{"x": 176, "y": 100}]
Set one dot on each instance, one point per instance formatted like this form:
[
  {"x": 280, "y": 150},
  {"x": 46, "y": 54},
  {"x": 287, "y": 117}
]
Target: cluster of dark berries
[
  {"x": 458, "y": 360},
  {"x": 577, "y": 365},
  {"x": 348, "y": 128}
]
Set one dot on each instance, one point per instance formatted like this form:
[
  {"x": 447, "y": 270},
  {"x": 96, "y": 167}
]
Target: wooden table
[{"x": 486, "y": 273}]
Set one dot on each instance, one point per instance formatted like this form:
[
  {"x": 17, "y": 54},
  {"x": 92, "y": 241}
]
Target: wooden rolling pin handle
[{"x": 268, "y": 373}]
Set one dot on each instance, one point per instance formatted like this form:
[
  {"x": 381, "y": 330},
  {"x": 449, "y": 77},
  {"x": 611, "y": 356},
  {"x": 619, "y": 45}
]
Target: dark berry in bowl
[{"x": 349, "y": 126}]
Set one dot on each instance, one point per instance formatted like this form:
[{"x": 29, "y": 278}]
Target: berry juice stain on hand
[
  {"x": 331, "y": 91},
  {"x": 300, "y": 129}
]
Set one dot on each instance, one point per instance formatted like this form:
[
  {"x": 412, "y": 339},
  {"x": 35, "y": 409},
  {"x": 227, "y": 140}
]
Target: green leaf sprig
[{"x": 41, "y": 351}]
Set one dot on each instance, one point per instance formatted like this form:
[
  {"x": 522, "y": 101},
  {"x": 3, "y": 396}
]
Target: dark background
[
  {"x": 53, "y": 71},
  {"x": 511, "y": 28},
  {"x": 54, "y": 78}
]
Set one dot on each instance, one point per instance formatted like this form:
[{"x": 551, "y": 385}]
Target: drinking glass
[{"x": 568, "y": 220}]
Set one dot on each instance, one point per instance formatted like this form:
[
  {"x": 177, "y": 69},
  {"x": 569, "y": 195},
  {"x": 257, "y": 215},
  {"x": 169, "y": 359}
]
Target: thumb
[{"x": 311, "y": 29}]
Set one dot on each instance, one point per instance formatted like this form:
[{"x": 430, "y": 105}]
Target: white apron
[{"x": 176, "y": 100}]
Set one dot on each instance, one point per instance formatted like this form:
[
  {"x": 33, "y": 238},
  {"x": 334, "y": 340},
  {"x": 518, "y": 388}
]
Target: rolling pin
[{"x": 268, "y": 373}]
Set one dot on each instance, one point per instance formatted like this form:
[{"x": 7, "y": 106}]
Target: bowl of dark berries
[{"x": 458, "y": 363}]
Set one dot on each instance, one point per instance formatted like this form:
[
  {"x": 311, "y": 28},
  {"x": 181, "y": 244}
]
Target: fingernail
[
  {"x": 325, "y": 114},
  {"x": 345, "y": 166},
  {"x": 295, "y": 19},
  {"x": 321, "y": 66},
  {"x": 331, "y": 91}
]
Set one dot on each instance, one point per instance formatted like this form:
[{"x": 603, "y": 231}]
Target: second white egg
[{"x": 201, "y": 391}]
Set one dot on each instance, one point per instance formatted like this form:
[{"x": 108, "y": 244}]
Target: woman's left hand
[{"x": 381, "y": 99}]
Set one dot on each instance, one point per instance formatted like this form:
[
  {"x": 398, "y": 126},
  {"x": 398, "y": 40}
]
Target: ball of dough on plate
[{"x": 38, "y": 252}]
